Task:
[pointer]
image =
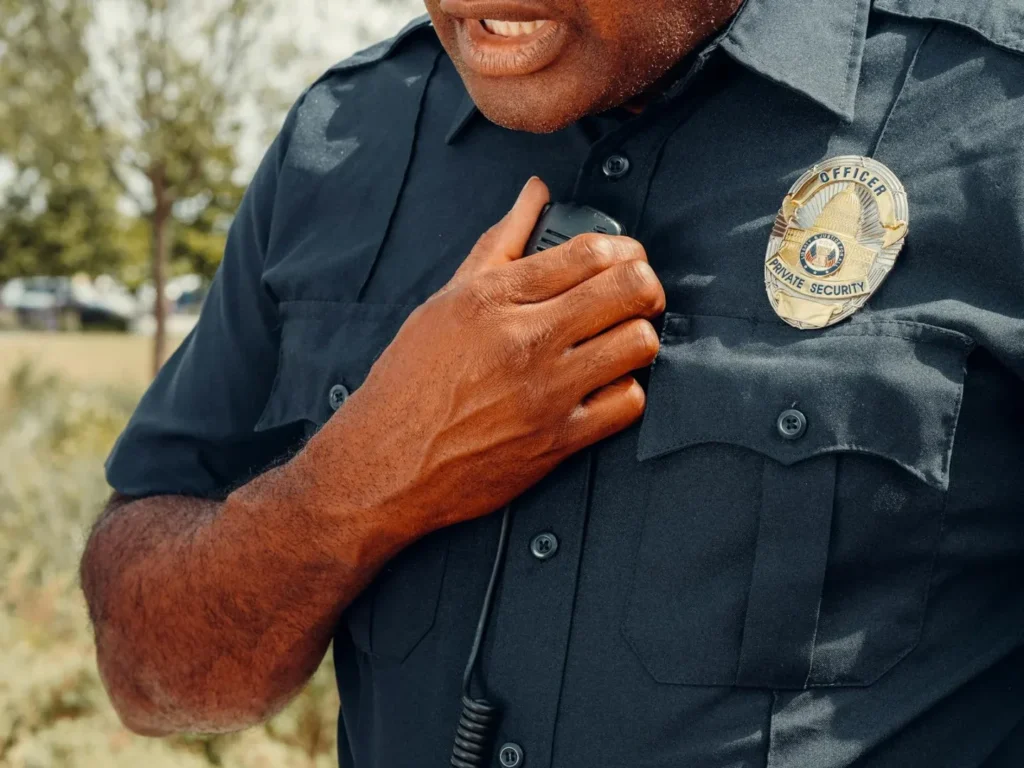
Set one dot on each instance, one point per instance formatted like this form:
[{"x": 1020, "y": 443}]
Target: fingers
[
  {"x": 556, "y": 270},
  {"x": 607, "y": 412},
  {"x": 506, "y": 240},
  {"x": 625, "y": 348},
  {"x": 624, "y": 291}
]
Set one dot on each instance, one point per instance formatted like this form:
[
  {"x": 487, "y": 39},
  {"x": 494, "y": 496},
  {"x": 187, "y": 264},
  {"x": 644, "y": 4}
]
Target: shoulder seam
[{"x": 377, "y": 52}]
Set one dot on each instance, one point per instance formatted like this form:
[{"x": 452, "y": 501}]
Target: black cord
[{"x": 479, "y": 721}]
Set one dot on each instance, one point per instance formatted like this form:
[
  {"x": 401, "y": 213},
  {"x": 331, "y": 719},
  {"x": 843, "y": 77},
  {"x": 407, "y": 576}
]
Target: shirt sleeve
[{"x": 192, "y": 433}]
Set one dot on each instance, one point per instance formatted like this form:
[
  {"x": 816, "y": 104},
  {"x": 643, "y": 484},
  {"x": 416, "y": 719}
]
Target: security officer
[{"x": 798, "y": 543}]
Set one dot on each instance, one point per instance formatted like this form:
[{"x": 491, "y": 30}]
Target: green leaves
[{"x": 106, "y": 121}]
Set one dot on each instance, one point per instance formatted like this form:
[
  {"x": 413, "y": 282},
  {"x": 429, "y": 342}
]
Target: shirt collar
[
  {"x": 463, "y": 116},
  {"x": 815, "y": 47}
]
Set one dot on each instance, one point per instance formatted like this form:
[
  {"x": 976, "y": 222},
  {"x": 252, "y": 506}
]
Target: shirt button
[
  {"x": 511, "y": 755},
  {"x": 792, "y": 424},
  {"x": 615, "y": 167},
  {"x": 544, "y": 546},
  {"x": 337, "y": 396}
]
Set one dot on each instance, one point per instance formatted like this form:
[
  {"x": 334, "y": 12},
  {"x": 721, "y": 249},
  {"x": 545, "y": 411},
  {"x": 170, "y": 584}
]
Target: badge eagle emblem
[{"x": 836, "y": 239}]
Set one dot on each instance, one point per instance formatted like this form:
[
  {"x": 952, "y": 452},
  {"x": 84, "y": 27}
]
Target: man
[{"x": 797, "y": 541}]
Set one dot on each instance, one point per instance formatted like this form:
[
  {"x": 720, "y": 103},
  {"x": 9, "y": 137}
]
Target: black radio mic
[{"x": 478, "y": 724}]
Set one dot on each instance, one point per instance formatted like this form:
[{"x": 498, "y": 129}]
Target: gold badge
[{"x": 837, "y": 237}]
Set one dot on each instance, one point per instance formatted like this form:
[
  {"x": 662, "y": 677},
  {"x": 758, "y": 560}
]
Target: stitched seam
[
  {"x": 629, "y": 601},
  {"x": 588, "y": 489},
  {"x": 1007, "y": 41},
  {"x": 923, "y": 610},
  {"x": 860, "y": 329},
  {"x": 903, "y": 89},
  {"x": 853, "y": 67},
  {"x": 753, "y": 567},
  {"x": 264, "y": 414},
  {"x": 772, "y": 709},
  {"x": 823, "y": 451},
  {"x": 417, "y": 124},
  {"x": 821, "y": 594},
  {"x": 947, "y": 462}
]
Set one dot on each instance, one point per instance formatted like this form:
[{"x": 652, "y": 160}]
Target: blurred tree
[
  {"x": 148, "y": 104},
  {"x": 78, "y": 230}
]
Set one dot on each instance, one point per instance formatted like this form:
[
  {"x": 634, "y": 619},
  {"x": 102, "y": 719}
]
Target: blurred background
[{"x": 128, "y": 132}]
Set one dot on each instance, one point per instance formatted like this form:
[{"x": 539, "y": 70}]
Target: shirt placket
[
  {"x": 531, "y": 631},
  {"x": 524, "y": 666}
]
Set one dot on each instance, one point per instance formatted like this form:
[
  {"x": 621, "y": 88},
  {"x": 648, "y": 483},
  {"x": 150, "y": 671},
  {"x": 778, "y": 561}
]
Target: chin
[{"x": 532, "y": 108}]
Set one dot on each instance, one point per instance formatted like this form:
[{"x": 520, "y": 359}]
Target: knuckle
[
  {"x": 594, "y": 367},
  {"x": 643, "y": 285},
  {"x": 648, "y": 342},
  {"x": 632, "y": 249},
  {"x": 635, "y": 397},
  {"x": 479, "y": 297},
  {"x": 489, "y": 236},
  {"x": 517, "y": 344},
  {"x": 483, "y": 246},
  {"x": 596, "y": 251}
]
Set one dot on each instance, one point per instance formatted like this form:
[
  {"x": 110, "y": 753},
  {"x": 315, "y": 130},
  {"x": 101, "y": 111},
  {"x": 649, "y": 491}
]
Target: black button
[
  {"x": 337, "y": 397},
  {"x": 615, "y": 167},
  {"x": 792, "y": 424},
  {"x": 544, "y": 546},
  {"x": 511, "y": 755}
]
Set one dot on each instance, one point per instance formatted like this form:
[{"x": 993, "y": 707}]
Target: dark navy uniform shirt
[{"x": 721, "y": 595}]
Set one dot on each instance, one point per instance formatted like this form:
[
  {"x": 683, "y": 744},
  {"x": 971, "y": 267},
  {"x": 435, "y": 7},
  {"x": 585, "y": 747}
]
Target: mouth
[
  {"x": 505, "y": 39},
  {"x": 513, "y": 28}
]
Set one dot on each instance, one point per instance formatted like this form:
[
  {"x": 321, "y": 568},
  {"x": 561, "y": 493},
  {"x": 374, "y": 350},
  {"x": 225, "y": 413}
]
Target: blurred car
[{"x": 69, "y": 303}]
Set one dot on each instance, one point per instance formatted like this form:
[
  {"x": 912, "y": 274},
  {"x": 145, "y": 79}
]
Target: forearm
[{"x": 209, "y": 616}]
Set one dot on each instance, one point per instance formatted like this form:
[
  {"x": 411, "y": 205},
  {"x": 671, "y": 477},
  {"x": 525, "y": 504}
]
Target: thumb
[{"x": 506, "y": 240}]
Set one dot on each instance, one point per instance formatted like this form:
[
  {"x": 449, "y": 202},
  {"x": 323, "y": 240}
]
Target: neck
[{"x": 726, "y": 12}]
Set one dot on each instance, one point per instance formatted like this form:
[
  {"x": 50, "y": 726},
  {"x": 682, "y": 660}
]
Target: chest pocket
[
  {"x": 796, "y": 502},
  {"x": 326, "y": 345}
]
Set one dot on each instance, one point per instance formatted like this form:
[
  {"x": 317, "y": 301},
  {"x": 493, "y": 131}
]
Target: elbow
[
  {"x": 140, "y": 723},
  {"x": 150, "y": 704},
  {"x": 171, "y": 713},
  {"x": 137, "y": 711}
]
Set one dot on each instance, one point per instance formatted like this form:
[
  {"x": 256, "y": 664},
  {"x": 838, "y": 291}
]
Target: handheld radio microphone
[{"x": 478, "y": 724}]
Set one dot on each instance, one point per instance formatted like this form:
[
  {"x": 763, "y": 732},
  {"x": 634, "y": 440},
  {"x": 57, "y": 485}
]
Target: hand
[{"x": 512, "y": 367}]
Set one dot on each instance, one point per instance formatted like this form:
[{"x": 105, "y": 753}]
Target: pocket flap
[
  {"x": 324, "y": 344},
  {"x": 886, "y": 388}
]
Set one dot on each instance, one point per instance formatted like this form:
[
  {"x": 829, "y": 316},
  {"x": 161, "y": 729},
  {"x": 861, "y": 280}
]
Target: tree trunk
[{"x": 161, "y": 224}]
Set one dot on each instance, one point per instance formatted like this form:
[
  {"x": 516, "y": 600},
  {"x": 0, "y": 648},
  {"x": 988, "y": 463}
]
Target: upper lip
[{"x": 502, "y": 10}]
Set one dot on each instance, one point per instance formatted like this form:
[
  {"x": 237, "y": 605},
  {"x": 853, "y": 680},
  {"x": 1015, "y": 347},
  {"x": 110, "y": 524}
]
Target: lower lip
[{"x": 496, "y": 56}]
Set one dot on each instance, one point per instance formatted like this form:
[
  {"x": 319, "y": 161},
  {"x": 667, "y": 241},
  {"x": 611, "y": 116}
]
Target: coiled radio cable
[{"x": 479, "y": 721}]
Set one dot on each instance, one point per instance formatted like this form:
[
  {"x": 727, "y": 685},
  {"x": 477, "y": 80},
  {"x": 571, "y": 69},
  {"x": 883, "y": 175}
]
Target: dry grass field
[
  {"x": 89, "y": 358},
  {"x": 65, "y": 398}
]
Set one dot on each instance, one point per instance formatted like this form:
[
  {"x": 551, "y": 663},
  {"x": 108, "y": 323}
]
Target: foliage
[
  {"x": 79, "y": 230},
  {"x": 153, "y": 101},
  {"x": 53, "y": 710},
  {"x": 122, "y": 118}
]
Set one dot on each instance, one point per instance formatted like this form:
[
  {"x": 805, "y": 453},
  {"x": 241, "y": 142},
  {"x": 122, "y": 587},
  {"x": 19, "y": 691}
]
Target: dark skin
[{"x": 211, "y": 615}]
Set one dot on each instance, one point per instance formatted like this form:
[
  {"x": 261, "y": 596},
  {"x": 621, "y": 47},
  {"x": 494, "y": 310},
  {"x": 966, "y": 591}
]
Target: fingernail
[
  {"x": 522, "y": 192},
  {"x": 526, "y": 186}
]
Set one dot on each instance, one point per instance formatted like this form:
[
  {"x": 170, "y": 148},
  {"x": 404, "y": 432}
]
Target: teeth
[{"x": 512, "y": 28}]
